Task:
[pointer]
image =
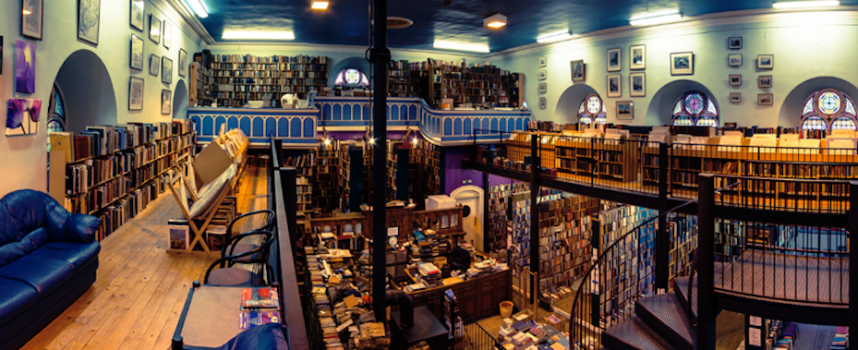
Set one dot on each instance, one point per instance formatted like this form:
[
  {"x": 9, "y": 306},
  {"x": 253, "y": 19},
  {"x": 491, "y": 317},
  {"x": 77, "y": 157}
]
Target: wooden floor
[{"x": 140, "y": 289}]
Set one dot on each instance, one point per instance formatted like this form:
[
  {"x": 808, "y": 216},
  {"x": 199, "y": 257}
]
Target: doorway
[{"x": 471, "y": 198}]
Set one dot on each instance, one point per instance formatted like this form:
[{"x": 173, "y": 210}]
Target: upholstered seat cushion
[
  {"x": 231, "y": 277},
  {"x": 269, "y": 336},
  {"x": 243, "y": 248},
  {"x": 43, "y": 274},
  {"x": 79, "y": 255},
  {"x": 15, "y": 297}
]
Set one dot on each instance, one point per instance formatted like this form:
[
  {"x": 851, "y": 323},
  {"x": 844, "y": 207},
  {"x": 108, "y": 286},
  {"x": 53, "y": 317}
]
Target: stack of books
[{"x": 259, "y": 306}]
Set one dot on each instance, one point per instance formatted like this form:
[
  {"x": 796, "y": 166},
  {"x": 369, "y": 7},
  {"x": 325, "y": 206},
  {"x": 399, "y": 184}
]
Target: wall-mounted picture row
[
  {"x": 135, "y": 94},
  {"x": 637, "y": 83},
  {"x": 137, "y": 52},
  {"x": 638, "y": 57},
  {"x": 765, "y": 99},
  {"x": 89, "y": 20},
  {"x": 735, "y": 79},
  {"x": 625, "y": 110},
  {"x": 138, "y": 14},
  {"x": 615, "y": 85},
  {"x": 735, "y": 97},
  {"x": 615, "y": 56},
  {"x": 682, "y": 63},
  {"x": 734, "y": 60},
  {"x": 766, "y": 61},
  {"x": 32, "y": 18}
]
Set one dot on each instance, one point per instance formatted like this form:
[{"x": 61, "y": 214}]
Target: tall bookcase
[
  {"x": 201, "y": 79},
  {"x": 565, "y": 243},
  {"x": 241, "y": 78},
  {"x": 328, "y": 190},
  {"x": 399, "y": 79},
  {"x": 475, "y": 83}
]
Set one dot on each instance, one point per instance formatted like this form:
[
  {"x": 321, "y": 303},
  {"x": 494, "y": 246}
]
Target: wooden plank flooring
[{"x": 140, "y": 288}]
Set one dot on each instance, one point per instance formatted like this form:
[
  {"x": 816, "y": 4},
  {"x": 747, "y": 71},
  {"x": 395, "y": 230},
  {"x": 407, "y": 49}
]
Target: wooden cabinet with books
[{"x": 237, "y": 79}]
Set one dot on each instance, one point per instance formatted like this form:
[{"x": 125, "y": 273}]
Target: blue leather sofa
[{"x": 48, "y": 258}]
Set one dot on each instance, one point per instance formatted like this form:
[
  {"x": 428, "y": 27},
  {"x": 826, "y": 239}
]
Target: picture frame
[
  {"x": 766, "y": 61},
  {"x": 88, "y": 20},
  {"x": 637, "y": 57},
  {"x": 166, "y": 102},
  {"x": 578, "y": 70},
  {"x": 765, "y": 99},
  {"x": 154, "y": 64},
  {"x": 166, "y": 70},
  {"x": 735, "y": 97},
  {"x": 25, "y": 67},
  {"x": 168, "y": 34},
  {"x": 625, "y": 110},
  {"x": 543, "y": 74},
  {"x": 183, "y": 63},
  {"x": 135, "y": 94},
  {"x": 22, "y": 116},
  {"x": 154, "y": 29},
  {"x": 764, "y": 81},
  {"x": 543, "y": 62},
  {"x": 734, "y": 60},
  {"x": 637, "y": 84},
  {"x": 735, "y": 79},
  {"x": 615, "y": 59},
  {"x": 32, "y": 19},
  {"x": 615, "y": 85},
  {"x": 136, "y": 52},
  {"x": 543, "y": 103},
  {"x": 682, "y": 63},
  {"x": 138, "y": 14},
  {"x": 543, "y": 87},
  {"x": 734, "y": 43}
]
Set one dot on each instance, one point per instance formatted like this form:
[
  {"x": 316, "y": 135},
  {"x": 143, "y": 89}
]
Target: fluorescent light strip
[
  {"x": 496, "y": 25},
  {"x": 804, "y": 4},
  {"x": 552, "y": 37},
  {"x": 459, "y": 46},
  {"x": 199, "y": 7},
  {"x": 320, "y": 5},
  {"x": 257, "y": 35},
  {"x": 646, "y": 21}
]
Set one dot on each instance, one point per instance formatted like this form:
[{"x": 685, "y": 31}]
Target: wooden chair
[
  {"x": 234, "y": 245},
  {"x": 235, "y": 276}
]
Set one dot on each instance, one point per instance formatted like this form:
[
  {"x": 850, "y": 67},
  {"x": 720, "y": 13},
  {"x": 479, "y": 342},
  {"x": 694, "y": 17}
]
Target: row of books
[
  {"x": 106, "y": 140},
  {"x": 116, "y": 215},
  {"x": 270, "y": 59}
]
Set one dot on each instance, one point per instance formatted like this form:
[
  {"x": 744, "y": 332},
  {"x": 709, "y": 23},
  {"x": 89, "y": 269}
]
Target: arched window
[
  {"x": 826, "y": 110},
  {"x": 695, "y": 109},
  {"x": 56, "y": 122},
  {"x": 591, "y": 110},
  {"x": 351, "y": 77}
]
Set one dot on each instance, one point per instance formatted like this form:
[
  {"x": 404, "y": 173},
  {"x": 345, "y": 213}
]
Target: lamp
[{"x": 495, "y": 21}]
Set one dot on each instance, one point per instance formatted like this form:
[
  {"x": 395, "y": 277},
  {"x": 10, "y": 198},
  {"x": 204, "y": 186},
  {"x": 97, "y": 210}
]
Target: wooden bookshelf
[
  {"x": 237, "y": 79},
  {"x": 200, "y": 94},
  {"x": 328, "y": 191},
  {"x": 617, "y": 161},
  {"x": 500, "y": 198},
  {"x": 399, "y": 79},
  {"x": 476, "y": 84}
]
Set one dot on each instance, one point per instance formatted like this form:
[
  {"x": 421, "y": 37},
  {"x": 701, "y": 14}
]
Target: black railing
[{"x": 471, "y": 336}]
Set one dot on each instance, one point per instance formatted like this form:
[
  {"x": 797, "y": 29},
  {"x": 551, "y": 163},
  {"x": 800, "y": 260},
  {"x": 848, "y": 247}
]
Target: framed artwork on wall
[
  {"x": 543, "y": 88},
  {"x": 765, "y": 81},
  {"x": 578, "y": 73},
  {"x": 734, "y": 43},
  {"x": 22, "y": 117},
  {"x": 88, "y": 20},
  {"x": 183, "y": 63},
  {"x": 543, "y": 74},
  {"x": 765, "y": 99},
  {"x": 735, "y": 79},
  {"x": 166, "y": 102},
  {"x": 25, "y": 67},
  {"x": 615, "y": 88},
  {"x": 766, "y": 61},
  {"x": 138, "y": 14},
  {"x": 637, "y": 84},
  {"x": 735, "y": 97},
  {"x": 155, "y": 29},
  {"x": 615, "y": 59},
  {"x": 166, "y": 70},
  {"x": 32, "y": 18},
  {"x": 135, "y": 94},
  {"x": 136, "y": 52},
  {"x": 625, "y": 110},
  {"x": 542, "y": 103},
  {"x": 168, "y": 34},
  {"x": 637, "y": 54},
  {"x": 543, "y": 62},
  {"x": 154, "y": 64},
  {"x": 734, "y": 60},
  {"x": 682, "y": 63}
]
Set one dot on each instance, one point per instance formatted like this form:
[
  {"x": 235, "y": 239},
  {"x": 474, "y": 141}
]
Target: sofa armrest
[{"x": 80, "y": 228}]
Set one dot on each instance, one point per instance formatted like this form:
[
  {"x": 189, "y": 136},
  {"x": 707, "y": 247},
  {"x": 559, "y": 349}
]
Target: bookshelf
[
  {"x": 474, "y": 83},
  {"x": 200, "y": 94},
  {"x": 237, "y": 79},
  {"x": 304, "y": 165},
  {"x": 611, "y": 159},
  {"x": 500, "y": 199},
  {"x": 399, "y": 79},
  {"x": 682, "y": 230},
  {"x": 328, "y": 189}
]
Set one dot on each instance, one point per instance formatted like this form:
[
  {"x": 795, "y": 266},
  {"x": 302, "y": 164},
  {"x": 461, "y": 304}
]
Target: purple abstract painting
[
  {"x": 25, "y": 67},
  {"x": 22, "y": 117}
]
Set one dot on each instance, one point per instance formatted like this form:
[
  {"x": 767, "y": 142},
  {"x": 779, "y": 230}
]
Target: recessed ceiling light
[
  {"x": 320, "y": 5},
  {"x": 804, "y": 4},
  {"x": 460, "y": 46},
  {"x": 552, "y": 37},
  {"x": 495, "y": 21},
  {"x": 659, "y": 19},
  {"x": 27, "y": 12},
  {"x": 257, "y": 35},
  {"x": 199, "y": 7}
]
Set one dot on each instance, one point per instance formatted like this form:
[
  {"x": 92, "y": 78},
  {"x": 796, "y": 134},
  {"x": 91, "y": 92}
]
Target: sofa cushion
[
  {"x": 15, "y": 297},
  {"x": 79, "y": 255},
  {"x": 14, "y": 250},
  {"x": 43, "y": 274}
]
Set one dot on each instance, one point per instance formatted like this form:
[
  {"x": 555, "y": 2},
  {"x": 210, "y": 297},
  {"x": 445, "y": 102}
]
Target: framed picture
[
  {"x": 615, "y": 59},
  {"x": 154, "y": 65},
  {"x": 578, "y": 70},
  {"x": 25, "y": 67},
  {"x": 168, "y": 34},
  {"x": 735, "y": 97},
  {"x": 542, "y": 103},
  {"x": 22, "y": 117},
  {"x": 136, "y": 52},
  {"x": 682, "y": 63},
  {"x": 166, "y": 102},
  {"x": 155, "y": 29},
  {"x": 735, "y": 79},
  {"x": 32, "y": 18},
  {"x": 637, "y": 83},
  {"x": 638, "y": 57},
  {"x": 543, "y": 88},
  {"x": 543, "y": 74},
  {"x": 625, "y": 110},
  {"x": 765, "y": 99},
  {"x": 166, "y": 70},
  {"x": 734, "y": 43},
  {"x": 765, "y": 81},
  {"x": 138, "y": 13},
  {"x": 88, "y": 20},
  {"x": 135, "y": 94},
  {"x": 543, "y": 62},
  {"x": 766, "y": 61},
  {"x": 615, "y": 88},
  {"x": 183, "y": 63},
  {"x": 734, "y": 60}
]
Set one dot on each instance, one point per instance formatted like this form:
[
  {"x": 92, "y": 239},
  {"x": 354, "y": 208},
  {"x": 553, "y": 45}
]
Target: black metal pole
[
  {"x": 706, "y": 308},
  {"x": 534, "y": 216},
  {"x": 662, "y": 240},
  {"x": 489, "y": 248},
  {"x": 853, "y": 263},
  {"x": 380, "y": 58}
]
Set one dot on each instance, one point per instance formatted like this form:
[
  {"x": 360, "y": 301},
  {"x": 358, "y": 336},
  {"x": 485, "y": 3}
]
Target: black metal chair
[
  {"x": 236, "y": 247},
  {"x": 235, "y": 276}
]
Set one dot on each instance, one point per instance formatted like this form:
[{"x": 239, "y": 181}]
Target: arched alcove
[
  {"x": 567, "y": 106},
  {"x": 660, "y": 109},
  {"x": 351, "y": 62},
  {"x": 790, "y": 113},
  {"x": 88, "y": 91},
  {"x": 180, "y": 100}
]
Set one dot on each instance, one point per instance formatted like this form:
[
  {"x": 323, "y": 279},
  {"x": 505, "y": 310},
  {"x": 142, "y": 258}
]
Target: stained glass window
[
  {"x": 829, "y": 103},
  {"x": 695, "y": 108},
  {"x": 678, "y": 108},
  {"x": 56, "y": 122},
  {"x": 351, "y": 77},
  {"x": 591, "y": 110},
  {"x": 707, "y": 121},
  {"x": 694, "y": 104},
  {"x": 711, "y": 108},
  {"x": 585, "y": 119},
  {"x": 601, "y": 119},
  {"x": 808, "y": 107},
  {"x": 814, "y": 123},
  {"x": 581, "y": 108},
  {"x": 843, "y": 123},
  {"x": 682, "y": 121},
  {"x": 594, "y": 104},
  {"x": 850, "y": 108},
  {"x": 829, "y": 109}
]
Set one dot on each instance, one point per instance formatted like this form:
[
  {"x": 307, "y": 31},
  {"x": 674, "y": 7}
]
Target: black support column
[
  {"x": 706, "y": 308},
  {"x": 535, "y": 162},
  {"x": 380, "y": 58},
  {"x": 853, "y": 263},
  {"x": 662, "y": 239}
]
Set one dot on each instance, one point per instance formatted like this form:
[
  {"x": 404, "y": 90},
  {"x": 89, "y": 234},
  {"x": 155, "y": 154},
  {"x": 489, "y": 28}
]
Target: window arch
[
  {"x": 695, "y": 108},
  {"x": 351, "y": 77},
  {"x": 56, "y": 122},
  {"x": 592, "y": 110},
  {"x": 826, "y": 110}
]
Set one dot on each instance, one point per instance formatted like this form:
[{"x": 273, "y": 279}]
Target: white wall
[{"x": 24, "y": 158}]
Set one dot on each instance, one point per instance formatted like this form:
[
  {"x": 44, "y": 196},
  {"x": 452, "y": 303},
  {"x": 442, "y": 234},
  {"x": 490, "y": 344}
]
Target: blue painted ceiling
[{"x": 346, "y": 22}]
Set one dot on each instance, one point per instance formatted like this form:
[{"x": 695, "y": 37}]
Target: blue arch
[
  {"x": 244, "y": 124},
  {"x": 218, "y": 122},
  {"x": 467, "y": 128},
  {"x": 437, "y": 125},
  {"x": 412, "y": 112},
  {"x": 283, "y": 127},
  {"x": 502, "y": 124},
  {"x": 526, "y": 122},
  {"x": 457, "y": 126},
  {"x": 494, "y": 124},
  {"x": 232, "y": 123},
  {"x": 366, "y": 112},
  {"x": 511, "y": 123},
  {"x": 387, "y": 112},
  {"x": 258, "y": 127},
  {"x": 518, "y": 124},
  {"x": 357, "y": 112},
  {"x": 309, "y": 128},
  {"x": 478, "y": 127},
  {"x": 326, "y": 112},
  {"x": 197, "y": 124},
  {"x": 347, "y": 112},
  {"x": 448, "y": 126},
  {"x": 338, "y": 113},
  {"x": 208, "y": 125},
  {"x": 394, "y": 113},
  {"x": 295, "y": 125},
  {"x": 270, "y": 127}
]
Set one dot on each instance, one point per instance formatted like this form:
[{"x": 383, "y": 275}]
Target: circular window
[
  {"x": 694, "y": 104},
  {"x": 829, "y": 103},
  {"x": 466, "y": 212},
  {"x": 594, "y": 105}
]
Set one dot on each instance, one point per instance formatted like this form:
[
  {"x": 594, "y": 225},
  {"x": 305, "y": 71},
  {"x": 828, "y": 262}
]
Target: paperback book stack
[
  {"x": 259, "y": 306},
  {"x": 431, "y": 274}
]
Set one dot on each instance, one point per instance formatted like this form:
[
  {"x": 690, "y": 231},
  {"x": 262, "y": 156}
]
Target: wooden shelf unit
[
  {"x": 476, "y": 83},
  {"x": 328, "y": 190},
  {"x": 565, "y": 241},
  {"x": 201, "y": 80},
  {"x": 237, "y": 79},
  {"x": 578, "y": 157}
]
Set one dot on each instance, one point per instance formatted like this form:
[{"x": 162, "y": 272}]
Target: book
[{"x": 252, "y": 319}]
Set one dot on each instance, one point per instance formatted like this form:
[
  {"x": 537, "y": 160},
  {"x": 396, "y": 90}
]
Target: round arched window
[
  {"x": 695, "y": 109},
  {"x": 591, "y": 110},
  {"x": 826, "y": 110},
  {"x": 351, "y": 77}
]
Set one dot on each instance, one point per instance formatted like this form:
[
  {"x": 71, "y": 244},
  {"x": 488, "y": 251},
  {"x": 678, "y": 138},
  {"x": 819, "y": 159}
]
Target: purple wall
[
  {"x": 454, "y": 174},
  {"x": 352, "y": 135}
]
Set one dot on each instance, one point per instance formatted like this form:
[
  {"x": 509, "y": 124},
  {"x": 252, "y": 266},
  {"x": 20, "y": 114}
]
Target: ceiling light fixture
[
  {"x": 257, "y": 35},
  {"x": 459, "y": 46},
  {"x": 199, "y": 7},
  {"x": 552, "y": 37},
  {"x": 320, "y": 5},
  {"x": 660, "y": 19},
  {"x": 804, "y": 4},
  {"x": 495, "y": 21},
  {"x": 27, "y": 12}
]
